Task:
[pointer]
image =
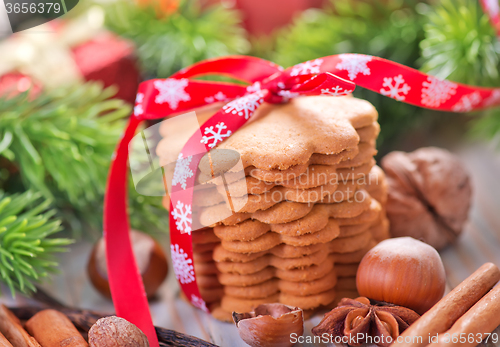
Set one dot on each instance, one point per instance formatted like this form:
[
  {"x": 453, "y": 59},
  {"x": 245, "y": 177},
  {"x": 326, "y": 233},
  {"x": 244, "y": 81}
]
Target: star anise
[{"x": 356, "y": 320}]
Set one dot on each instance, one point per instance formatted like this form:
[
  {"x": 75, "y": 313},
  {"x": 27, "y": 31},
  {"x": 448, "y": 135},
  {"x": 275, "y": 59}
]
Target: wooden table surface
[{"x": 479, "y": 243}]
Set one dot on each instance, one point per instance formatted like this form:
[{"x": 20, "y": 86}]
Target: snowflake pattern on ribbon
[
  {"x": 396, "y": 89},
  {"x": 182, "y": 171},
  {"x": 256, "y": 87},
  {"x": 182, "y": 264},
  {"x": 246, "y": 105},
  {"x": 287, "y": 95},
  {"x": 139, "y": 98},
  {"x": 216, "y": 136},
  {"x": 336, "y": 91},
  {"x": 354, "y": 64},
  {"x": 181, "y": 214},
  {"x": 219, "y": 96},
  {"x": 138, "y": 109},
  {"x": 306, "y": 68},
  {"x": 199, "y": 302},
  {"x": 493, "y": 99},
  {"x": 436, "y": 91},
  {"x": 467, "y": 102},
  {"x": 171, "y": 91}
]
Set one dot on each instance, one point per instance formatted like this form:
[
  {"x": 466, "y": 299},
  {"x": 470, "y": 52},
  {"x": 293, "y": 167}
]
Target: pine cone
[{"x": 429, "y": 195}]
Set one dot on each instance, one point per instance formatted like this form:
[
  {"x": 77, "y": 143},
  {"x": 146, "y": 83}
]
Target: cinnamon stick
[
  {"x": 53, "y": 329},
  {"x": 81, "y": 319},
  {"x": 474, "y": 326},
  {"x": 449, "y": 309},
  {"x": 13, "y": 331},
  {"x": 4, "y": 342}
]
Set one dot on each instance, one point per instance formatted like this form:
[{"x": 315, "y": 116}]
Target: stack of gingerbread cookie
[
  {"x": 349, "y": 254},
  {"x": 204, "y": 242},
  {"x": 290, "y": 216}
]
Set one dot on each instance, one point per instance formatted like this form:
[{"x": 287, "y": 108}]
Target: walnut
[
  {"x": 429, "y": 195},
  {"x": 115, "y": 332}
]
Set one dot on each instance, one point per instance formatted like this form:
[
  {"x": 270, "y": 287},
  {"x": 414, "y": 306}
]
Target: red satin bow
[{"x": 334, "y": 75}]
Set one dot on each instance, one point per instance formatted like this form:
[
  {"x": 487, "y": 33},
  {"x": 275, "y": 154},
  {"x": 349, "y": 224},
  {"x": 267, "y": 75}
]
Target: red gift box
[{"x": 109, "y": 59}]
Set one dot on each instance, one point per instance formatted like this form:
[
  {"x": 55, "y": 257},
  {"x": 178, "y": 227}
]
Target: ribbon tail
[
  {"x": 127, "y": 289},
  {"x": 325, "y": 83}
]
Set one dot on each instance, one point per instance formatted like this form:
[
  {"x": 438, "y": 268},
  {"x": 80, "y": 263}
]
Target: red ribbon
[{"x": 333, "y": 75}]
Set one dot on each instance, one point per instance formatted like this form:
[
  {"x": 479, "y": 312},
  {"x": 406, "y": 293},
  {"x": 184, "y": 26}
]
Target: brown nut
[
  {"x": 270, "y": 325},
  {"x": 402, "y": 271},
  {"x": 429, "y": 195},
  {"x": 150, "y": 258},
  {"x": 116, "y": 332}
]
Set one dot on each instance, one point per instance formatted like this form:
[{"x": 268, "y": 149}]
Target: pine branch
[
  {"x": 460, "y": 44},
  {"x": 60, "y": 142},
  {"x": 166, "y": 45},
  {"x": 27, "y": 247},
  {"x": 146, "y": 213},
  {"x": 61, "y": 145},
  {"x": 390, "y": 29}
]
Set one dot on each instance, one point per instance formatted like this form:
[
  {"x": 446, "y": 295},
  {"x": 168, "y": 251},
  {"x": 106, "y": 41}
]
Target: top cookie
[{"x": 281, "y": 136}]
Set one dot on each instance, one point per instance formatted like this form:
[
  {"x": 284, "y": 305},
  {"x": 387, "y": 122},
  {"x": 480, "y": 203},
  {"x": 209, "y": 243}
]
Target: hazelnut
[
  {"x": 116, "y": 332},
  {"x": 150, "y": 258},
  {"x": 270, "y": 325},
  {"x": 429, "y": 195},
  {"x": 402, "y": 271}
]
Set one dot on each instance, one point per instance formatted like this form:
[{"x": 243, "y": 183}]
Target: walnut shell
[
  {"x": 429, "y": 195},
  {"x": 116, "y": 332}
]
